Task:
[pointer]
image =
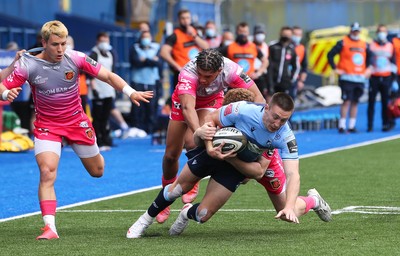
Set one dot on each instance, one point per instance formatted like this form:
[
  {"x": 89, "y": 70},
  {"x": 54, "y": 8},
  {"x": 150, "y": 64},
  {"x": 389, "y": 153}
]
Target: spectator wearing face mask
[
  {"x": 383, "y": 74},
  {"x": 101, "y": 94},
  {"x": 284, "y": 65},
  {"x": 226, "y": 39},
  {"x": 353, "y": 70},
  {"x": 144, "y": 59},
  {"x": 244, "y": 52},
  {"x": 301, "y": 53},
  {"x": 211, "y": 34},
  {"x": 259, "y": 40}
]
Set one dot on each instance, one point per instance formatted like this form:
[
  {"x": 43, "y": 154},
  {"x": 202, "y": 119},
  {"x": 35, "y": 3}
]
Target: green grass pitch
[{"x": 360, "y": 184}]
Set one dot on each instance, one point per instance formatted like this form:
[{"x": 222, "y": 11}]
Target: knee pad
[{"x": 174, "y": 194}]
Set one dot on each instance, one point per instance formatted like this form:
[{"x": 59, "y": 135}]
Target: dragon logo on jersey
[
  {"x": 89, "y": 133},
  {"x": 275, "y": 184},
  {"x": 69, "y": 75}
]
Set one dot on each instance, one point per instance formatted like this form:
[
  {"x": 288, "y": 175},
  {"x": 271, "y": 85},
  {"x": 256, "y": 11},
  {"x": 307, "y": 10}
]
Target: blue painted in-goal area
[{"x": 136, "y": 164}]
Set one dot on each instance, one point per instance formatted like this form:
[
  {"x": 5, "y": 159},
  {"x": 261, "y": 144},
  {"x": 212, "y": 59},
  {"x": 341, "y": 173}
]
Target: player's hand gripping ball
[{"x": 233, "y": 138}]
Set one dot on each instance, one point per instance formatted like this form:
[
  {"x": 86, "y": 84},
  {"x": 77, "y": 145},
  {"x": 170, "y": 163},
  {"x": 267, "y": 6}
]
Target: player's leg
[
  {"x": 224, "y": 181},
  {"x": 91, "y": 159},
  {"x": 189, "y": 144},
  {"x": 170, "y": 164},
  {"x": 47, "y": 157},
  {"x": 215, "y": 197},
  {"x": 164, "y": 199},
  {"x": 173, "y": 150}
]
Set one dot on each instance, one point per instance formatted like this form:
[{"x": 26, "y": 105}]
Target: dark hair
[
  {"x": 286, "y": 28},
  {"x": 182, "y": 11},
  {"x": 282, "y": 100},
  {"x": 242, "y": 24},
  {"x": 296, "y": 27},
  {"x": 102, "y": 34},
  {"x": 210, "y": 60}
]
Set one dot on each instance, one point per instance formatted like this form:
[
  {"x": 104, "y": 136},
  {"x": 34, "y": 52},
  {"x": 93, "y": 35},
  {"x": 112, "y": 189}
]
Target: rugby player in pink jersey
[
  {"x": 200, "y": 89},
  {"x": 53, "y": 78}
]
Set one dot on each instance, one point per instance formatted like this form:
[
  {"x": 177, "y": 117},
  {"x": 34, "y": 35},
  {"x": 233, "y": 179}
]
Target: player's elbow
[{"x": 257, "y": 174}]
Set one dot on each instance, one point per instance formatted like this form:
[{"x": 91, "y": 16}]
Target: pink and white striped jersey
[
  {"x": 231, "y": 76},
  {"x": 54, "y": 85}
]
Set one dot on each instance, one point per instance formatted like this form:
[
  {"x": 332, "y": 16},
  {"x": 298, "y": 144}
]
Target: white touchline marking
[
  {"x": 172, "y": 210},
  {"x": 369, "y": 210},
  {"x": 349, "y": 209}
]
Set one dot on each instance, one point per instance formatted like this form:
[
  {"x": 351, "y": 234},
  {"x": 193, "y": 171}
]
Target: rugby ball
[{"x": 233, "y": 138}]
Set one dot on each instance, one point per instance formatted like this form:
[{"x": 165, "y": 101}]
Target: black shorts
[
  {"x": 351, "y": 91},
  {"x": 203, "y": 165}
]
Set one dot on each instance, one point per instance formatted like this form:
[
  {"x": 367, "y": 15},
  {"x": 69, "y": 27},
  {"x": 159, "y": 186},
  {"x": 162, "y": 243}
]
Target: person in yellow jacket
[{"x": 353, "y": 69}]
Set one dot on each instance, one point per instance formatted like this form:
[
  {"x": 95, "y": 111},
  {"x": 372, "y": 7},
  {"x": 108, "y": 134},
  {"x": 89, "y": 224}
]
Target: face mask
[
  {"x": 104, "y": 46},
  {"x": 210, "y": 32},
  {"x": 227, "y": 42},
  {"x": 355, "y": 37},
  {"x": 382, "y": 36},
  {"x": 284, "y": 39},
  {"x": 145, "y": 41},
  {"x": 241, "y": 39},
  {"x": 296, "y": 39},
  {"x": 259, "y": 38}
]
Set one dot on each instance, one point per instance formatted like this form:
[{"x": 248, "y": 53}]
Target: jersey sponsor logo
[
  {"x": 84, "y": 124},
  {"x": 228, "y": 110},
  {"x": 177, "y": 105},
  {"x": 52, "y": 67},
  {"x": 53, "y": 91},
  {"x": 89, "y": 133},
  {"x": 270, "y": 152},
  {"x": 184, "y": 84},
  {"x": 292, "y": 146},
  {"x": 269, "y": 173},
  {"x": 91, "y": 61},
  {"x": 275, "y": 184},
  {"x": 245, "y": 77},
  {"x": 10, "y": 78},
  {"x": 40, "y": 80},
  {"x": 69, "y": 75}
]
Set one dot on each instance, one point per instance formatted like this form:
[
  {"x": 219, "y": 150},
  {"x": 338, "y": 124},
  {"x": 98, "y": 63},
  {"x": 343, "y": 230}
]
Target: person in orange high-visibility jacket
[
  {"x": 382, "y": 77},
  {"x": 245, "y": 52},
  {"x": 182, "y": 46},
  {"x": 353, "y": 69}
]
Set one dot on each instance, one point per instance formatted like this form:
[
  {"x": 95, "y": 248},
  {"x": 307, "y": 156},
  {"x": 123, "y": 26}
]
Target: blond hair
[{"x": 54, "y": 27}]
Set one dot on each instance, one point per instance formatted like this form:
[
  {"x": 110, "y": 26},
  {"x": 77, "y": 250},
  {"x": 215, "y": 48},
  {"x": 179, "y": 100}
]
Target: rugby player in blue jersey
[{"x": 266, "y": 128}]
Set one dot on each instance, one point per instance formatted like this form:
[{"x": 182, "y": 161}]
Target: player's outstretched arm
[
  {"x": 120, "y": 85},
  {"x": 7, "y": 71}
]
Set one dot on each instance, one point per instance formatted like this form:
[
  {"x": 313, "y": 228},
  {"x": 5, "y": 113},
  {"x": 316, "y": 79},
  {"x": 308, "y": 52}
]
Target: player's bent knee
[{"x": 171, "y": 158}]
